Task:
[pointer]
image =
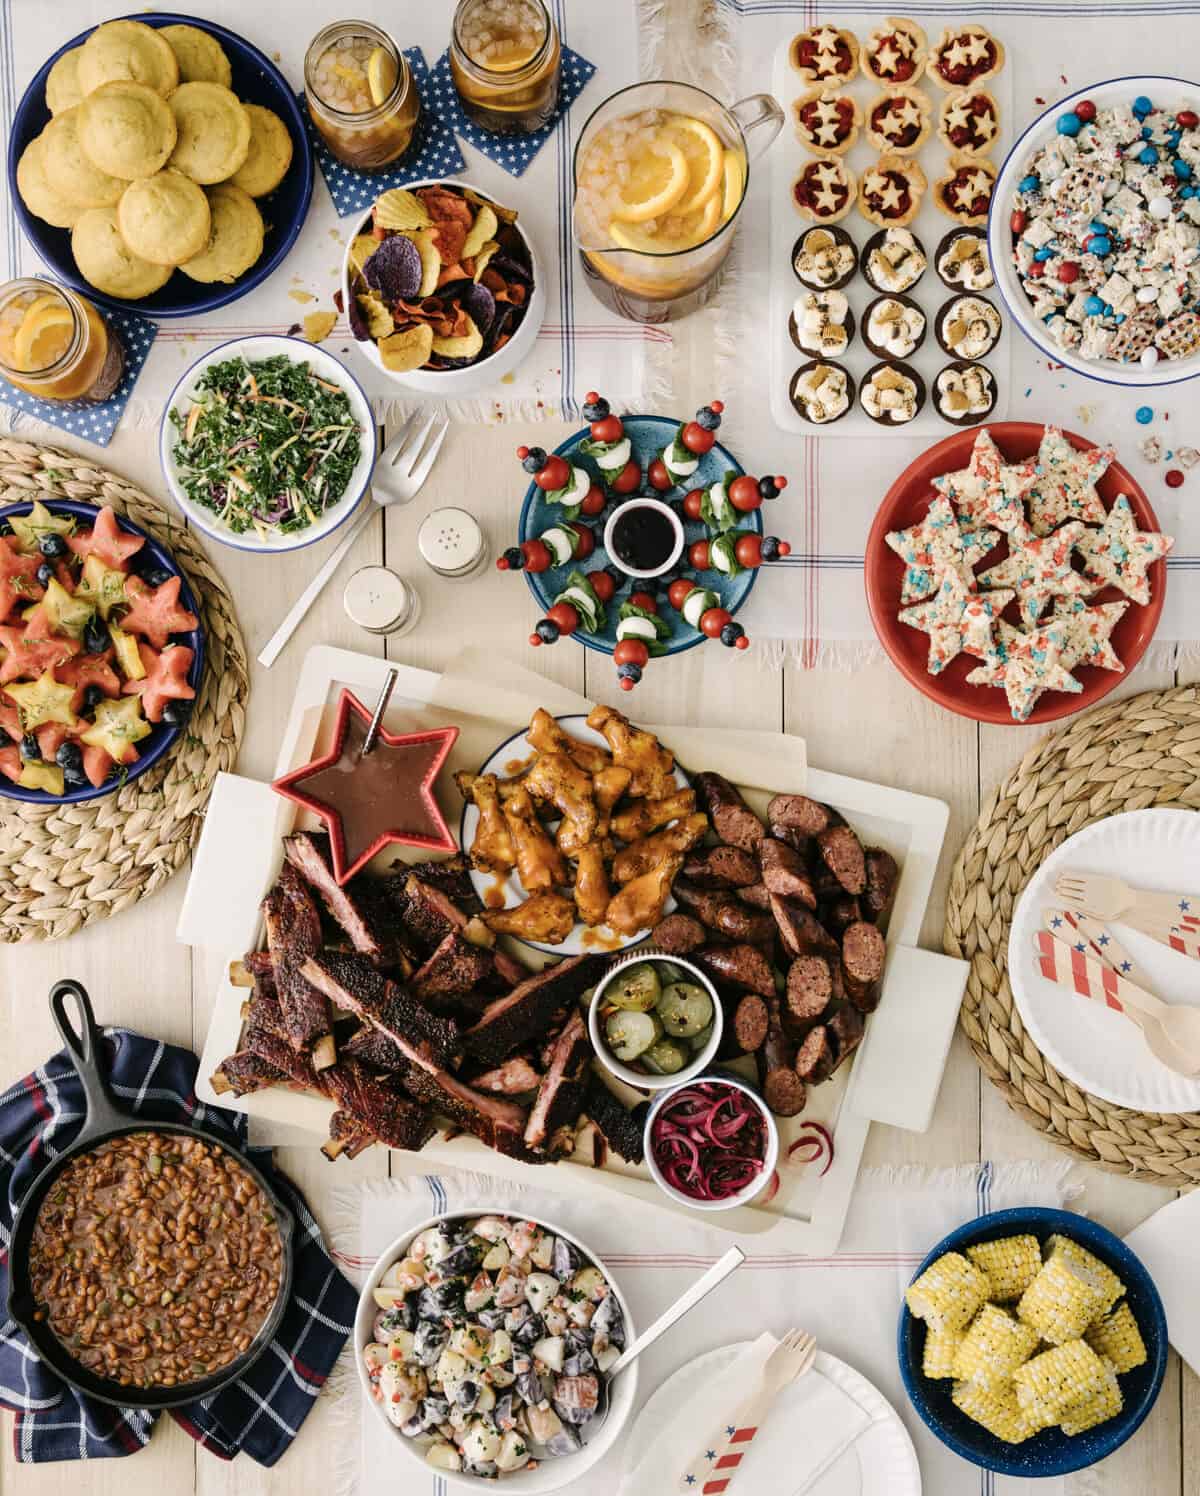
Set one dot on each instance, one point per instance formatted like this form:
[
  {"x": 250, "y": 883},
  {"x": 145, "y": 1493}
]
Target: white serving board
[
  {"x": 787, "y": 156},
  {"x": 807, "y": 1214}
]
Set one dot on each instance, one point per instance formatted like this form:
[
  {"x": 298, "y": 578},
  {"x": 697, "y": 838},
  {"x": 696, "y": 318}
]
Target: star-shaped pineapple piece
[
  {"x": 1065, "y": 487},
  {"x": 1120, "y": 554},
  {"x": 935, "y": 545},
  {"x": 1038, "y": 568},
  {"x": 1086, "y": 632},
  {"x": 989, "y": 490},
  {"x": 1024, "y": 665},
  {"x": 957, "y": 620},
  {"x": 43, "y": 700}
]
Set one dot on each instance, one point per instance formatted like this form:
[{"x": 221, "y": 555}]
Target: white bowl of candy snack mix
[{"x": 1094, "y": 233}]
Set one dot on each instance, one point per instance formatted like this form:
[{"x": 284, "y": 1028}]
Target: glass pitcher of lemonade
[{"x": 661, "y": 173}]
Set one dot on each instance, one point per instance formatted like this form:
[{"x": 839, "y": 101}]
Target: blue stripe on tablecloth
[
  {"x": 951, "y": 8},
  {"x": 566, "y": 259}
]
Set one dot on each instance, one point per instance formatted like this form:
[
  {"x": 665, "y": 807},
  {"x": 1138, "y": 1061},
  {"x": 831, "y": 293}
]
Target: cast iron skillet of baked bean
[{"x": 104, "y": 1121}]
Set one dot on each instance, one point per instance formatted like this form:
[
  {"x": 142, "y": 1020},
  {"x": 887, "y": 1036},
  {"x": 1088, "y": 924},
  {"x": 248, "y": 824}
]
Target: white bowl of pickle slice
[
  {"x": 479, "y": 333},
  {"x": 655, "y": 1021}
]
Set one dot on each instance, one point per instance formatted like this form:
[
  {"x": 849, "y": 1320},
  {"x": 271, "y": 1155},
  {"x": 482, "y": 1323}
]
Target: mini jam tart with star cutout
[
  {"x": 962, "y": 261},
  {"x": 823, "y": 54},
  {"x": 969, "y": 122},
  {"x": 824, "y": 259},
  {"x": 966, "y": 190},
  {"x": 890, "y": 192},
  {"x": 827, "y": 122},
  {"x": 895, "y": 53},
  {"x": 965, "y": 55},
  {"x": 964, "y": 393},
  {"x": 825, "y": 190},
  {"x": 899, "y": 121}
]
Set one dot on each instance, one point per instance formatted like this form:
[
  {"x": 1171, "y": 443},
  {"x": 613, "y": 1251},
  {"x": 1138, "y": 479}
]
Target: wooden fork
[{"x": 1110, "y": 898}]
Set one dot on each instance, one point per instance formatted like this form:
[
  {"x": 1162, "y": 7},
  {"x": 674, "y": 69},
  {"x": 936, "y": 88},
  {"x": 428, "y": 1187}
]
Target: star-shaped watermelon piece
[
  {"x": 1086, "y": 632},
  {"x": 156, "y": 612},
  {"x": 32, "y": 648},
  {"x": 1120, "y": 554},
  {"x": 1024, "y": 665},
  {"x": 989, "y": 490},
  {"x": 165, "y": 679},
  {"x": 18, "y": 577},
  {"x": 106, "y": 540},
  {"x": 1039, "y": 569},
  {"x": 90, "y": 670},
  {"x": 935, "y": 545},
  {"x": 1065, "y": 488},
  {"x": 10, "y": 762},
  {"x": 957, "y": 620}
]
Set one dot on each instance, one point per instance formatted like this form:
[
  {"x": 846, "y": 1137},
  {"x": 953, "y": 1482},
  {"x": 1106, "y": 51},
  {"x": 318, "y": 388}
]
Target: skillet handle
[{"x": 83, "y": 1045}]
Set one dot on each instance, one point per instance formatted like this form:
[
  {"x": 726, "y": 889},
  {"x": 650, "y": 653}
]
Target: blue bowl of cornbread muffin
[
  {"x": 280, "y": 184},
  {"x": 1010, "y": 1287}
]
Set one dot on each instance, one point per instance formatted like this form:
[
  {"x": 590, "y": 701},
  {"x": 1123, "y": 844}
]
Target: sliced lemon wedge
[
  {"x": 705, "y": 156},
  {"x": 674, "y": 233},
  {"x": 382, "y": 73},
  {"x": 735, "y": 184},
  {"x": 657, "y": 181},
  {"x": 43, "y": 336}
]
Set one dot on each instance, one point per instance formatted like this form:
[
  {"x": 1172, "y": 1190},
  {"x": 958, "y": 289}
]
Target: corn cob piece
[
  {"x": 1058, "y": 1380},
  {"x": 1011, "y": 1264},
  {"x": 1099, "y": 1408},
  {"x": 1117, "y": 1336},
  {"x": 1063, "y": 1300},
  {"x": 941, "y": 1347},
  {"x": 1088, "y": 1263},
  {"x": 994, "y": 1346},
  {"x": 996, "y": 1408},
  {"x": 948, "y": 1293}
]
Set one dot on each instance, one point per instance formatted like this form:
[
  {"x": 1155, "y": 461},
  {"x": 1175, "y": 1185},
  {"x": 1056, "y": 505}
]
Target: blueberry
[
  {"x": 515, "y": 557},
  {"x": 96, "y": 638},
  {"x": 30, "y": 748},
  {"x": 92, "y": 697},
  {"x": 731, "y": 633},
  {"x": 596, "y": 410},
  {"x": 534, "y": 460},
  {"x": 52, "y": 545},
  {"x": 766, "y": 487},
  {"x": 176, "y": 713},
  {"x": 547, "y": 630},
  {"x": 155, "y": 575},
  {"x": 629, "y": 672},
  {"x": 45, "y": 574},
  {"x": 69, "y": 756},
  {"x": 74, "y": 778},
  {"x": 769, "y": 550},
  {"x": 707, "y": 418}
]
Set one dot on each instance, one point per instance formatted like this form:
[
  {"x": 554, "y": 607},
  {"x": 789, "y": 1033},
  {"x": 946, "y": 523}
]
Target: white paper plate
[
  {"x": 507, "y": 760},
  {"x": 880, "y": 1462},
  {"x": 1099, "y": 1050}
]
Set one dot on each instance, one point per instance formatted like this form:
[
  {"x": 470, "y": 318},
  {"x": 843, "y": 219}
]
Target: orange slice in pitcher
[{"x": 658, "y": 178}]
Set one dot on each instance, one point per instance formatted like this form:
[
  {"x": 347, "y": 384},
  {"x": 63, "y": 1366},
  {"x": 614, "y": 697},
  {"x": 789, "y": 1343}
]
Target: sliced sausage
[
  {"x": 733, "y": 819},
  {"x": 705, "y": 903},
  {"x": 678, "y": 934},
  {"x": 844, "y": 857},
  {"x": 800, "y": 814},
  {"x": 815, "y": 1057},
  {"x": 750, "y": 1020},
  {"x": 756, "y": 895},
  {"x": 839, "y": 913},
  {"x": 742, "y": 966},
  {"x": 863, "y": 955},
  {"x": 783, "y": 1090},
  {"x": 810, "y": 989},
  {"x": 737, "y": 922},
  {"x": 882, "y": 877},
  {"x": 784, "y": 872},
  {"x": 721, "y": 867},
  {"x": 846, "y": 1026},
  {"x": 800, "y": 931}
]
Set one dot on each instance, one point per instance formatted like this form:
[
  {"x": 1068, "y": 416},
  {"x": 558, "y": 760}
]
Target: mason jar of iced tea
[
  {"x": 55, "y": 344},
  {"x": 361, "y": 94},
  {"x": 505, "y": 60}
]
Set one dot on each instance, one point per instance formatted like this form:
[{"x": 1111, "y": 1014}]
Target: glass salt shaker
[
  {"x": 452, "y": 544},
  {"x": 381, "y": 602}
]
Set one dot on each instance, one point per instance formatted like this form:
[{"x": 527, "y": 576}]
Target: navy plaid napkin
[
  {"x": 94, "y": 423},
  {"x": 434, "y": 154},
  {"x": 512, "y": 152},
  {"x": 258, "y": 1414}
]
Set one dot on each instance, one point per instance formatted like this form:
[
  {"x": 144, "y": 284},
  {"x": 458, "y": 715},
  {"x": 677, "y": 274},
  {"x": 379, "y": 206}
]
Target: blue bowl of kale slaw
[{"x": 267, "y": 443}]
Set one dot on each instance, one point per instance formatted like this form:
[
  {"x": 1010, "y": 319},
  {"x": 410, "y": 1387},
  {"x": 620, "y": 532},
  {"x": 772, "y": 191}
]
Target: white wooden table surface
[{"x": 870, "y": 724}]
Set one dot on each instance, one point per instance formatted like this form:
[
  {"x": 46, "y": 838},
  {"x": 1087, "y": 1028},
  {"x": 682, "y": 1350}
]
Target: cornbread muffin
[
  {"x": 106, "y": 261},
  {"x": 62, "y": 83},
  {"x": 214, "y": 132},
  {"x": 235, "y": 240},
  {"x": 201, "y": 57},
  {"x": 126, "y": 129},
  {"x": 128, "y": 50},
  {"x": 68, "y": 170},
  {"x": 270, "y": 153},
  {"x": 164, "y": 218},
  {"x": 36, "y": 192}
]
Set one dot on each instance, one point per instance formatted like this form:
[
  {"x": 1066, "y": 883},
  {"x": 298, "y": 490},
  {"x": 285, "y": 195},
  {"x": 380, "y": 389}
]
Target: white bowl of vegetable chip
[{"x": 268, "y": 443}]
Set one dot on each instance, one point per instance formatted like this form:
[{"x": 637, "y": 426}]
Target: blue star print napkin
[
  {"x": 434, "y": 154},
  {"x": 94, "y": 423},
  {"x": 512, "y": 152}
]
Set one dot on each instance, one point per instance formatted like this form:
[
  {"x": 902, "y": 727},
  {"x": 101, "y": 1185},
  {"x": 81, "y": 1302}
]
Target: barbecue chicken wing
[
  {"x": 540, "y": 864},
  {"x": 492, "y": 849},
  {"x": 644, "y": 816},
  {"x": 556, "y": 779},
  {"x": 650, "y": 851},
  {"x": 547, "y": 736},
  {"x": 652, "y": 765},
  {"x": 549, "y": 917},
  {"x": 640, "y": 903},
  {"x": 592, "y": 893}
]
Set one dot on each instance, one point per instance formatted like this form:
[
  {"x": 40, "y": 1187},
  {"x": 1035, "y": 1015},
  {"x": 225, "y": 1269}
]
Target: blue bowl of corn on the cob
[{"x": 975, "y": 1329}]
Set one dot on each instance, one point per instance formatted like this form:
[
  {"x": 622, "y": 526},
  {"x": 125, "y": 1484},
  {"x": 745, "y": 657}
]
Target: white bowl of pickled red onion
[{"x": 708, "y": 1150}]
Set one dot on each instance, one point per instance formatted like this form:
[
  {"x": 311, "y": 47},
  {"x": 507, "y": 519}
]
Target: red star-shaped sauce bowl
[{"x": 386, "y": 797}]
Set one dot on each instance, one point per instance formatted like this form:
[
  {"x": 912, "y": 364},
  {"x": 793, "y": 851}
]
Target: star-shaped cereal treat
[
  {"x": 1120, "y": 554},
  {"x": 1086, "y": 633},
  {"x": 935, "y": 545},
  {"x": 957, "y": 620},
  {"x": 1065, "y": 487},
  {"x": 1024, "y": 665},
  {"x": 988, "y": 490},
  {"x": 1039, "y": 569}
]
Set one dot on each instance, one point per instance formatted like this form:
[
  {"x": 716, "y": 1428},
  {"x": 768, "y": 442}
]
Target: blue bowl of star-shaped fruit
[
  {"x": 101, "y": 651},
  {"x": 641, "y": 536}
]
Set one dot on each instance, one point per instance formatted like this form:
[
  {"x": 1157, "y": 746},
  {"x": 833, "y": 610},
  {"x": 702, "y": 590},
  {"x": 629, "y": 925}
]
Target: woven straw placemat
[
  {"x": 1139, "y": 752},
  {"x": 61, "y": 867}
]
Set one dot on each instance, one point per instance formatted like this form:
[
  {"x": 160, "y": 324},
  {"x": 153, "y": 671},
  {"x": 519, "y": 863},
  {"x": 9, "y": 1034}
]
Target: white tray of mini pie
[
  {"x": 930, "y": 225},
  {"x": 893, "y": 1077}
]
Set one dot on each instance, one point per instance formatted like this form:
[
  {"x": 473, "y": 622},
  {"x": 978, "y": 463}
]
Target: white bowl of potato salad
[{"x": 481, "y": 1339}]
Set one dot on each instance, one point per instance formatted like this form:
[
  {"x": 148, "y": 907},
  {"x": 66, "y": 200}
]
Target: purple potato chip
[
  {"x": 440, "y": 361},
  {"x": 395, "y": 268},
  {"x": 358, "y": 323},
  {"x": 480, "y": 306},
  {"x": 511, "y": 269}
]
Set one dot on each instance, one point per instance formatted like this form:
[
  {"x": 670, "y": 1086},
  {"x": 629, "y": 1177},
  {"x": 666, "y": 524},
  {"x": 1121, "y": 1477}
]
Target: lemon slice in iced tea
[
  {"x": 672, "y": 232},
  {"x": 705, "y": 156},
  {"x": 43, "y": 335},
  {"x": 658, "y": 178},
  {"x": 734, "y": 184},
  {"x": 381, "y": 75}
]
